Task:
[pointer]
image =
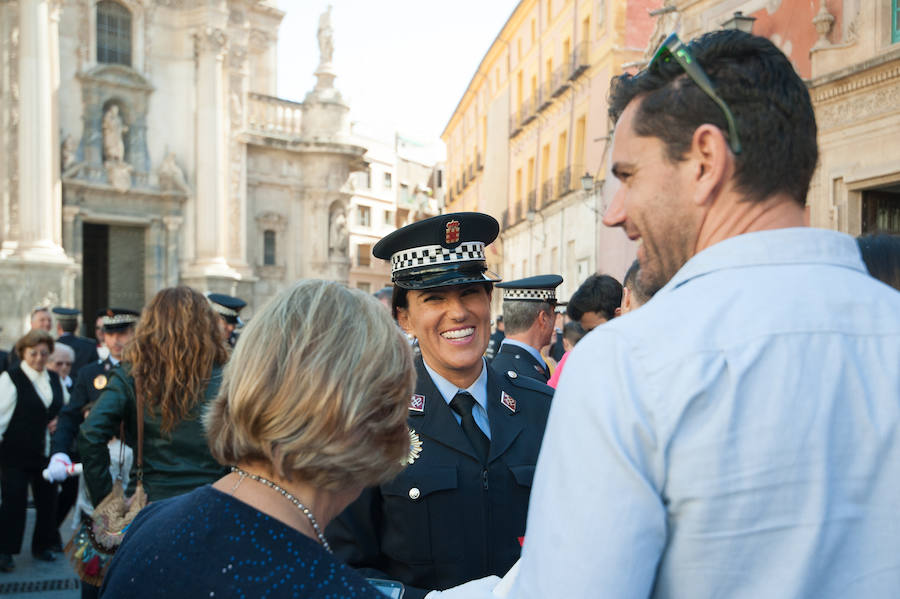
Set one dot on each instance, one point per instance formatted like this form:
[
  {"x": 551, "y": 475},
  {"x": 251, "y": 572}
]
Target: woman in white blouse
[{"x": 30, "y": 398}]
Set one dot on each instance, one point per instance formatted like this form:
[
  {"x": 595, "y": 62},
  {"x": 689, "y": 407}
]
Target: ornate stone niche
[{"x": 104, "y": 87}]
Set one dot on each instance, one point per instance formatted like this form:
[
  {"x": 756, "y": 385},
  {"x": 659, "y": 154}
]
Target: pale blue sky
[{"x": 402, "y": 64}]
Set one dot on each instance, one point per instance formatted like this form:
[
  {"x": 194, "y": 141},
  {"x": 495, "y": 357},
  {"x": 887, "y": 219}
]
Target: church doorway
[{"x": 112, "y": 267}]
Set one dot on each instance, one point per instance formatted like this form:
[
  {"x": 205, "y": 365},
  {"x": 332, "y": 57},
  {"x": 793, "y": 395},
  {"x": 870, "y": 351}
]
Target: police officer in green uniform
[
  {"x": 528, "y": 306},
  {"x": 458, "y": 511}
]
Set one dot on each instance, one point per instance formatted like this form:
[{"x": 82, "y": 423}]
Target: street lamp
[
  {"x": 587, "y": 182},
  {"x": 740, "y": 22}
]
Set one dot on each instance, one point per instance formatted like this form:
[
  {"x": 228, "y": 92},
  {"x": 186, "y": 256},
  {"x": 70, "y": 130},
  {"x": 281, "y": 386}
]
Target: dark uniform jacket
[
  {"x": 85, "y": 352},
  {"x": 513, "y": 357},
  {"x": 448, "y": 519},
  {"x": 494, "y": 342},
  {"x": 90, "y": 382},
  {"x": 175, "y": 462},
  {"x": 23, "y": 443}
]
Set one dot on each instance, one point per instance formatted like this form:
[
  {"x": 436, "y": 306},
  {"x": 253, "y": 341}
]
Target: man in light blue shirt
[{"x": 739, "y": 436}]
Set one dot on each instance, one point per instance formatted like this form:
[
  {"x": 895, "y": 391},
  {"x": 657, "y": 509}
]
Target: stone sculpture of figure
[
  {"x": 337, "y": 232},
  {"x": 113, "y": 131},
  {"x": 69, "y": 147},
  {"x": 171, "y": 177},
  {"x": 326, "y": 40}
]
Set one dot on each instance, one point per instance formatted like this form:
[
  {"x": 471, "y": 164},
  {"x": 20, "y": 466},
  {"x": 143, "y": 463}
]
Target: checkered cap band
[
  {"x": 222, "y": 309},
  {"x": 428, "y": 255},
  {"x": 535, "y": 295},
  {"x": 111, "y": 321}
]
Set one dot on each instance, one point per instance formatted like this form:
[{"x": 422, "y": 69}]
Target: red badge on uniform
[
  {"x": 452, "y": 235},
  {"x": 507, "y": 400},
  {"x": 417, "y": 403}
]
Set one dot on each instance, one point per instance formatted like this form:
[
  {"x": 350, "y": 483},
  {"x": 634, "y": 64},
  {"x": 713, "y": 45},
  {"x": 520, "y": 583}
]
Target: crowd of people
[{"x": 724, "y": 422}]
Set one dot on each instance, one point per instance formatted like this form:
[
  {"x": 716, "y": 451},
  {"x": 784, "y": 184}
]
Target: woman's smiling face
[{"x": 453, "y": 327}]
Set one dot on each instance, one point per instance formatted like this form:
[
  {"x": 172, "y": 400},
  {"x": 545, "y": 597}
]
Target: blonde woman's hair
[{"x": 319, "y": 387}]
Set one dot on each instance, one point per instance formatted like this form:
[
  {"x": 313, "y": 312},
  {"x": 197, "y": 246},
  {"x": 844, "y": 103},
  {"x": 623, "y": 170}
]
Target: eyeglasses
[
  {"x": 674, "y": 48},
  {"x": 58, "y": 363}
]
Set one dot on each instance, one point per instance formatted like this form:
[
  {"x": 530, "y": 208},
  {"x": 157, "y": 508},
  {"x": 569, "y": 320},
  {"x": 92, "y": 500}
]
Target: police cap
[
  {"x": 227, "y": 306},
  {"x": 440, "y": 251},
  {"x": 118, "y": 319},
  {"x": 62, "y": 313},
  {"x": 540, "y": 288}
]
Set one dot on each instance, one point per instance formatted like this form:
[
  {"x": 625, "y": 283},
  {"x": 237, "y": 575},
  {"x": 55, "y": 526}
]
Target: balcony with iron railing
[
  {"x": 560, "y": 81},
  {"x": 471, "y": 170},
  {"x": 547, "y": 192},
  {"x": 579, "y": 60},
  {"x": 545, "y": 94},
  {"x": 271, "y": 116},
  {"x": 515, "y": 125},
  {"x": 528, "y": 110},
  {"x": 532, "y": 201},
  {"x": 563, "y": 181},
  {"x": 480, "y": 162}
]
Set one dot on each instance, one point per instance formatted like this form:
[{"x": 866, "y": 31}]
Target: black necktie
[{"x": 462, "y": 404}]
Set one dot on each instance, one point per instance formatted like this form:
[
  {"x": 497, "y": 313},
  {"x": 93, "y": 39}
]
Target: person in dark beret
[{"x": 458, "y": 511}]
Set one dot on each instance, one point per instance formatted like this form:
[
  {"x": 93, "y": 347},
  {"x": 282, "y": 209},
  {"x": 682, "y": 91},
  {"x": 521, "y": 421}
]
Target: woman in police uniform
[{"x": 458, "y": 511}]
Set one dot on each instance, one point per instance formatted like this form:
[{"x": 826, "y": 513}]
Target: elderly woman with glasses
[
  {"x": 30, "y": 398},
  {"x": 312, "y": 409}
]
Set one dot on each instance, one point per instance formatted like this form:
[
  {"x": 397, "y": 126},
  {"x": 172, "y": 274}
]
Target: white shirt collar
[
  {"x": 448, "y": 390},
  {"x": 31, "y": 373}
]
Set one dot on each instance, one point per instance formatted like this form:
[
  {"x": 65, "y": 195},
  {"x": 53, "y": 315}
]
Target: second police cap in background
[
  {"x": 539, "y": 288},
  {"x": 62, "y": 313},
  {"x": 227, "y": 306},
  {"x": 443, "y": 250},
  {"x": 118, "y": 319}
]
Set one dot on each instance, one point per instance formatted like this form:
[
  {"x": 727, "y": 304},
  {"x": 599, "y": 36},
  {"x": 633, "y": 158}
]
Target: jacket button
[
  {"x": 511, "y": 373},
  {"x": 414, "y": 493}
]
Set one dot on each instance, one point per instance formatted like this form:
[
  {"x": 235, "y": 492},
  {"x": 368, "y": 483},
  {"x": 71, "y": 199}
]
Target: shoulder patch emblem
[
  {"x": 507, "y": 400},
  {"x": 417, "y": 404},
  {"x": 415, "y": 448},
  {"x": 100, "y": 382}
]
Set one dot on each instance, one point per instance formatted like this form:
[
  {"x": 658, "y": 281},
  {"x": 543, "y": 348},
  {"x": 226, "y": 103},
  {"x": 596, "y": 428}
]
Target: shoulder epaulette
[{"x": 524, "y": 382}]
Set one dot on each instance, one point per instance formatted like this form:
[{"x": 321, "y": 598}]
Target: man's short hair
[
  {"x": 518, "y": 315},
  {"x": 68, "y": 325},
  {"x": 771, "y": 105},
  {"x": 598, "y": 293},
  {"x": 630, "y": 281},
  {"x": 337, "y": 422}
]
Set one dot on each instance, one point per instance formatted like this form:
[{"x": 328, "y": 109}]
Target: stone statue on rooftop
[{"x": 326, "y": 37}]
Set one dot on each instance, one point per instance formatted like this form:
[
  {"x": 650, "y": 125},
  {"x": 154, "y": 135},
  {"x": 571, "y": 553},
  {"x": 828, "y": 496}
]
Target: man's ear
[{"x": 712, "y": 161}]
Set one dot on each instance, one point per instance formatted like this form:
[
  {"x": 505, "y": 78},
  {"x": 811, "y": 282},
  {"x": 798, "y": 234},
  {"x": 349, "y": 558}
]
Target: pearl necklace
[{"x": 289, "y": 497}]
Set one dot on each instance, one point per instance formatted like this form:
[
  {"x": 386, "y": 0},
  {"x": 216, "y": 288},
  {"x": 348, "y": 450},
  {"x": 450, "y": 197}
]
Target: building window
[
  {"x": 404, "y": 192},
  {"x": 364, "y": 286},
  {"x": 364, "y": 216},
  {"x": 363, "y": 255},
  {"x": 113, "y": 33},
  {"x": 880, "y": 211},
  {"x": 364, "y": 179},
  {"x": 269, "y": 247},
  {"x": 895, "y": 21},
  {"x": 387, "y": 181},
  {"x": 388, "y": 220}
]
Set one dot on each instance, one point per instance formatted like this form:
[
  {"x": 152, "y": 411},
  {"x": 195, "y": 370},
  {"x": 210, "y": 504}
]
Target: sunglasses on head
[{"x": 673, "y": 48}]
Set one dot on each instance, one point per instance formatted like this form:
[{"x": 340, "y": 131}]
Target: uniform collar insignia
[
  {"x": 415, "y": 448},
  {"x": 417, "y": 404},
  {"x": 507, "y": 400}
]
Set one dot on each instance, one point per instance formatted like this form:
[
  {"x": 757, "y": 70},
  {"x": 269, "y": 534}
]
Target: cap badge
[
  {"x": 507, "y": 400},
  {"x": 415, "y": 448},
  {"x": 452, "y": 233},
  {"x": 417, "y": 403},
  {"x": 100, "y": 382}
]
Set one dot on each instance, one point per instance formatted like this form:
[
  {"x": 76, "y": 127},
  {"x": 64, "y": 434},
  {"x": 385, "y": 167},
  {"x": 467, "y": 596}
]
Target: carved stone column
[
  {"x": 211, "y": 218},
  {"x": 40, "y": 201}
]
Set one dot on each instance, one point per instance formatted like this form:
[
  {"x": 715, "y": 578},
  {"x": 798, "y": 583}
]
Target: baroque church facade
[{"x": 142, "y": 146}]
